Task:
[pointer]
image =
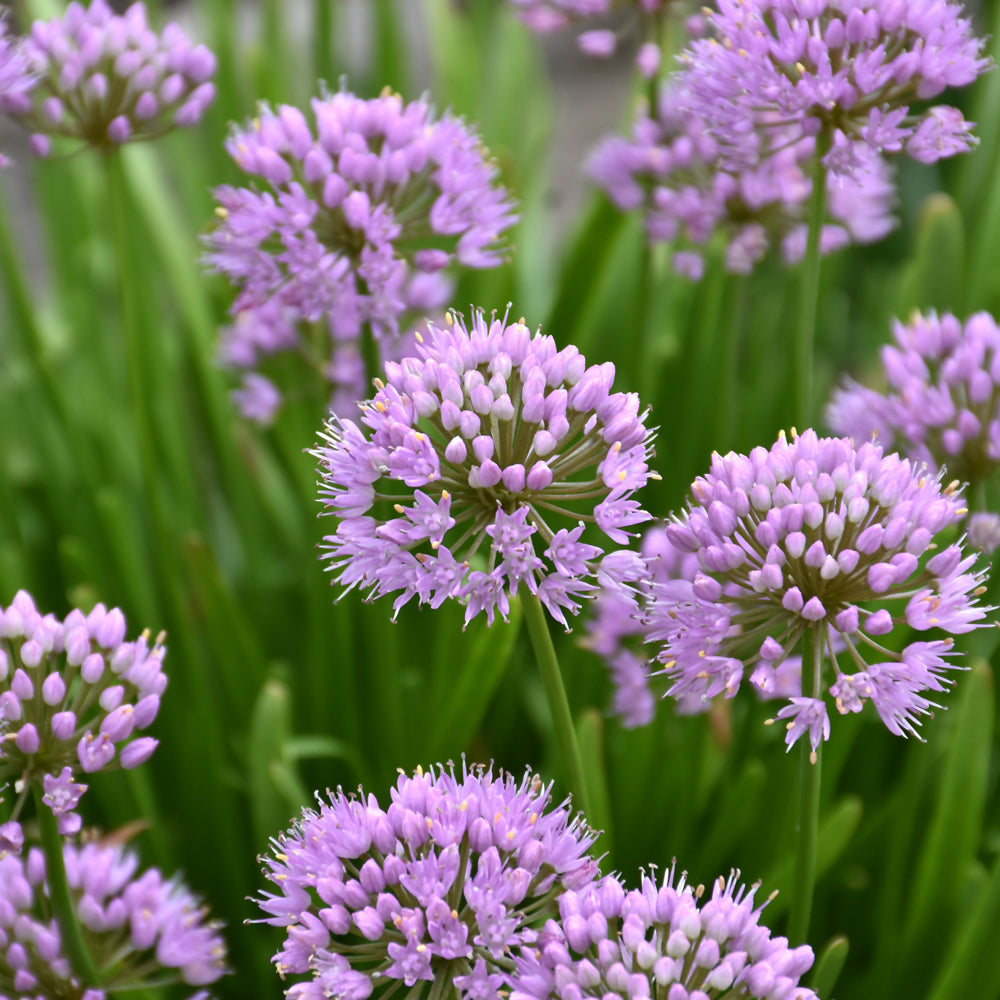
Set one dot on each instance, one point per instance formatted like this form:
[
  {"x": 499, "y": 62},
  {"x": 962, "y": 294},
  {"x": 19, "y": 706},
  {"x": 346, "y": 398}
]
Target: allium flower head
[
  {"x": 673, "y": 170},
  {"x": 851, "y": 70},
  {"x": 661, "y": 940},
  {"x": 817, "y": 536},
  {"x": 140, "y": 930},
  {"x": 444, "y": 886},
  {"x": 487, "y": 439},
  {"x": 352, "y": 222},
  {"x": 942, "y": 406},
  {"x": 74, "y": 696},
  {"x": 107, "y": 79}
]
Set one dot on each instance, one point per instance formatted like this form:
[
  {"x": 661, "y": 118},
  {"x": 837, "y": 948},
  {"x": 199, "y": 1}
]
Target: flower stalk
[{"x": 555, "y": 692}]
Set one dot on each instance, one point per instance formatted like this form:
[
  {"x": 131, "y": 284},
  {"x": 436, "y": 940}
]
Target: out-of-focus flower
[
  {"x": 817, "y": 539},
  {"x": 494, "y": 438},
  {"x": 617, "y": 633},
  {"x": 544, "y": 16},
  {"x": 141, "y": 930},
  {"x": 672, "y": 169},
  {"x": 447, "y": 885},
  {"x": 984, "y": 531},
  {"x": 661, "y": 939},
  {"x": 849, "y": 72},
  {"x": 73, "y": 694},
  {"x": 358, "y": 219},
  {"x": 107, "y": 79},
  {"x": 942, "y": 406}
]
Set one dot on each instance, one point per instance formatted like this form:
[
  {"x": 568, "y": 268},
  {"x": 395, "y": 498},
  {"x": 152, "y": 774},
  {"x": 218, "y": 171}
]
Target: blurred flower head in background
[
  {"x": 814, "y": 538},
  {"x": 673, "y": 170},
  {"x": 942, "y": 404},
  {"x": 544, "y": 16},
  {"x": 141, "y": 931},
  {"x": 856, "y": 75},
  {"x": 446, "y": 886},
  {"x": 489, "y": 437},
  {"x": 661, "y": 938},
  {"x": 358, "y": 220},
  {"x": 74, "y": 696},
  {"x": 106, "y": 79}
]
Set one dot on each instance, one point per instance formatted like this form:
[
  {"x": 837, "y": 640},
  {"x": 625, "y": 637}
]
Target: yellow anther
[
  {"x": 399, "y": 508},
  {"x": 420, "y": 339},
  {"x": 380, "y": 406},
  {"x": 222, "y": 213}
]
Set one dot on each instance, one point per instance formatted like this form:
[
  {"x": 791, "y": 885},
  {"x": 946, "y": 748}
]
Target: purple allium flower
[
  {"x": 817, "y": 536},
  {"x": 142, "y": 930},
  {"x": 848, "y": 71},
  {"x": 661, "y": 939},
  {"x": 107, "y": 79},
  {"x": 942, "y": 406},
  {"x": 672, "y": 169},
  {"x": 488, "y": 438},
  {"x": 72, "y": 694},
  {"x": 356, "y": 220},
  {"x": 446, "y": 885},
  {"x": 617, "y": 631}
]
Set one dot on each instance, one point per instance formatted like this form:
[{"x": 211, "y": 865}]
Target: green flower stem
[
  {"x": 562, "y": 718},
  {"x": 809, "y": 300},
  {"x": 80, "y": 959},
  {"x": 128, "y": 288},
  {"x": 808, "y": 821},
  {"x": 323, "y": 31}
]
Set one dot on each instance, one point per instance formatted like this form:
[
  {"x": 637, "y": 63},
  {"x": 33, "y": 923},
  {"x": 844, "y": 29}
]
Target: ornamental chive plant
[
  {"x": 74, "y": 698},
  {"x": 491, "y": 473},
  {"x": 804, "y": 546},
  {"x": 496, "y": 451},
  {"x": 142, "y": 930},
  {"x": 106, "y": 79},
  {"x": 810, "y": 540},
  {"x": 665, "y": 940},
  {"x": 444, "y": 886},
  {"x": 942, "y": 406},
  {"x": 491, "y": 452},
  {"x": 351, "y": 228}
]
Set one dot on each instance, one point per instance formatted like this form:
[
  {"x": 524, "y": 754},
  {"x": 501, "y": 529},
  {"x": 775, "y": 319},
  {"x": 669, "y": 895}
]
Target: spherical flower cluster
[
  {"x": 942, "y": 406},
  {"x": 847, "y": 71},
  {"x": 673, "y": 170},
  {"x": 73, "y": 693},
  {"x": 444, "y": 886},
  {"x": 617, "y": 633},
  {"x": 657, "y": 940},
  {"x": 140, "y": 930},
  {"x": 487, "y": 437},
  {"x": 817, "y": 539},
  {"x": 360, "y": 216},
  {"x": 107, "y": 79}
]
